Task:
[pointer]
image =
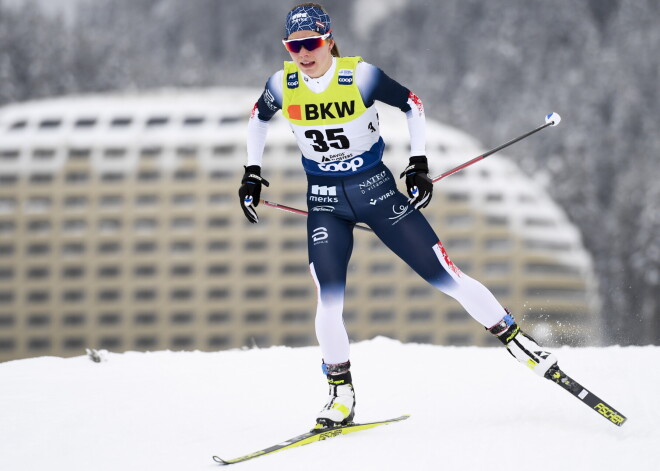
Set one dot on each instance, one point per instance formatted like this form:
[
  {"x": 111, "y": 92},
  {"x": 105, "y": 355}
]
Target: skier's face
[{"x": 315, "y": 62}]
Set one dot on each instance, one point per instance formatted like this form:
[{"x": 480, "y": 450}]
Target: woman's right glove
[
  {"x": 250, "y": 191},
  {"x": 418, "y": 183}
]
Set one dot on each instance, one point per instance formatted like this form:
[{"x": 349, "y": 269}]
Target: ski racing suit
[{"x": 335, "y": 122}]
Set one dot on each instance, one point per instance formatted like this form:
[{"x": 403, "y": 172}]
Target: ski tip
[{"x": 220, "y": 461}]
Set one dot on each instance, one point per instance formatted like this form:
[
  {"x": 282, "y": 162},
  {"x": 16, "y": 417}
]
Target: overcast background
[{"x": 491, "y": 68}]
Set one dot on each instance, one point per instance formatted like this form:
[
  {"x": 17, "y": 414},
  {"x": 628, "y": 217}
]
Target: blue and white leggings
[{"x": 335, "y": 205}]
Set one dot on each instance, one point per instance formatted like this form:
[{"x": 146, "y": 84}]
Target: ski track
[{"x": 472, "y": 408}]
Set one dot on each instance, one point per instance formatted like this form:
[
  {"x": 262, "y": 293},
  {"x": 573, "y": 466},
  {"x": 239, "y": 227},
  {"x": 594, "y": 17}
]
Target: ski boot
[
  {"x": 523, "y": 347},
  {"x": 340, "y": 408}
]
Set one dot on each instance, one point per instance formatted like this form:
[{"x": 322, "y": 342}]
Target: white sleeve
[
  {"x": 416, "y": 125},
  {"x": 256, "y": 140}
]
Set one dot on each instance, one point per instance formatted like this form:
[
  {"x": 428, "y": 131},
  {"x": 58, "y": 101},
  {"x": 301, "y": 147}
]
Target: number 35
[{"x": 331, "y": 138}]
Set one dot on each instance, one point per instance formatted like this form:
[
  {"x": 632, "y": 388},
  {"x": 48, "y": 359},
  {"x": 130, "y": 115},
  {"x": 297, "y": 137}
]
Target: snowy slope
[{"x": 472, "y": 408}]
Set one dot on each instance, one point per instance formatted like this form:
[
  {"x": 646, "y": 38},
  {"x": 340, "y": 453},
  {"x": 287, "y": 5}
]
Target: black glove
[
  {"x": 418, "y": 183},
  {"x": 250, "y": 191}
]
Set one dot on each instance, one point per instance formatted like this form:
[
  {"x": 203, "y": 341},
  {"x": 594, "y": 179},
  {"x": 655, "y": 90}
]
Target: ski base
[
  {"x": 309, "y": 437},
  {"x": 556, "y": 375}
]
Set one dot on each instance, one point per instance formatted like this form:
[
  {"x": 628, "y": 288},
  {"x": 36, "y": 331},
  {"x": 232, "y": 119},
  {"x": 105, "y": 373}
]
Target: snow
[{"x": 471, "y": 408}]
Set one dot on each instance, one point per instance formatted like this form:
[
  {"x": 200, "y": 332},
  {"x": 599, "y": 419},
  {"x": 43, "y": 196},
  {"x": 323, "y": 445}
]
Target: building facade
[{"x": 120, "y": 229}]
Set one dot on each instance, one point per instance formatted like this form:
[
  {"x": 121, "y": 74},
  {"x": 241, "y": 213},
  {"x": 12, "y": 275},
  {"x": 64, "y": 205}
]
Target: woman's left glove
[
  {"x": 250, "y": 191},
  {"x": 418, "y": 183}
]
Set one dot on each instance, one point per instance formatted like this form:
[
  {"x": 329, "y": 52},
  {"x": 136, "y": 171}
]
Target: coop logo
[
  {"x": 292, "y": 80},
  {"x": 344, "y": 166},
  {"x": 324, "y": 194},
  {"x": 345, "y": 77},
  {"x": 320, "y": 235}
]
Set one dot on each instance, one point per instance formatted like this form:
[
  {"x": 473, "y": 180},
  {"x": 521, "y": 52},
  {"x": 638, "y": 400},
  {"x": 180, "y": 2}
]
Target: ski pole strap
[{"x": 336, "y": 369}]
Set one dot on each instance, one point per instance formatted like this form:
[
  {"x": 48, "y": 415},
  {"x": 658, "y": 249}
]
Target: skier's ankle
[{"x": 523, "y": 347}]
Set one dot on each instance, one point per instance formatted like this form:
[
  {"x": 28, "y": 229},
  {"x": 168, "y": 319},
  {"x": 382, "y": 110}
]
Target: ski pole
[{"x": 552, "y": 119}]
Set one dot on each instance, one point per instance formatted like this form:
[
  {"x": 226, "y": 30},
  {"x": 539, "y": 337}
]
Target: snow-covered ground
[{"x": 472, "y": 409}]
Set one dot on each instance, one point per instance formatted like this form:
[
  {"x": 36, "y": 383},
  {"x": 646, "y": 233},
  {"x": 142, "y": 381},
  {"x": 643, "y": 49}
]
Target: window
[
  {"x": 182, "y": 294},
  {"x": 114, "y": 152},
  {"x": 218, "y": 223},
  {"x": 41, "y": 178},
  {"x": 186, "y": 151},
  {"x": 38, "y": 320},
  {"x": 183, "y": 224},
  {"x": 420, "y": 315},
  {"x": 40, "y": 343},
  {"x": 381, "y": 316},
  {"x": 7, "y": 227},
  {"x": 109, "y": 271},
  {"x": 73, "y": 249},
  {"x": 73, "y": 296},
  {"x": 182, "y": 318},
  {"x": 254, "y": 269},
  {"x": 74, "y": 226},
  {"x": 110, "y": 318},
  {"x": 216, "y": 294},
  {"x": 145, "y": 342},
  {"x": 37, "y": 204},
  {"x": 39, "y": 226},
  {"x": 498, "y": 244},
  {"x": 80, "y": 153},
  {"x": 112, "y": 177},
  {"x": 85, "y": 123},
  {"x": 110, "y": 342},
  {"x": 18, "y": 125},
  {"x": 43, "y": 154},
  {"x": 75, "y": 202},
  {"x": 108, "y": 248},
  {"x": 144, "y": 271},
  {"x": 7, "y": 180},
  {"x": 296, "y": 317},
  {"x": 6, "y": 297},
  {"x": 497, "y": 268},
  {"x": 7, "y": 155},
  {"x": 157, "y": 121},
  {"x": 7, "y": 204},
  {"x": 295, "y": 269},
  {"x": 223, "y": 150},
  {"x": 6, "y": 250},
  {"x": 219, "y": 317},
  {"x": 146, "y": 294},
  {"x": 182, "y": 341},
  {"x": 184, "y": 199},
  {"x": 73, "y": 272},
  {"x": 73, "y": 319},
  {"x": 193, "y": 121},
  {"x": 145, "y": 318},
  {"x": 148, "y": 175},
  {"x": 121, "y": 122},
  {"x": 184, "y": 175},
  {"x": 76, "y": 177},
  {"x": 255, "y": 293},
  {"x": 6, "y": 273},
  {"x": 7, "y": 320},
  {"x": 109, "y": 295},
  {"x": 296, "y": 293},
  {"x": 380, "y": 292},
  {"x": 459, "y": 220},
  {"x": 109, "y": 225},
  {"x": 151, "y": 152},
  {"x": 220, "y": 198},
  {"x": 38, "y": 249},
  {"x": 219, "y": 341},
  {"x": 38, "y": 297},
  {"x": 217, "y": 270},
  {"x": 418, "y": 292},
  {"x": 220, "y": 175},
  {"x": 294, "y": 245},
  {"x": 255, "y": 317},
  {"x": 146, "y": 200},
  {"x": 181, "y": 247},
  {"x": 181, "y": 270},
  {"x": 145, "y": 247},
  {"x": 73, "y": 343},
  {"x": 218, "y": 246},
  {"x": 494, "y": 220},
  {"x": 50, "y": 123}
]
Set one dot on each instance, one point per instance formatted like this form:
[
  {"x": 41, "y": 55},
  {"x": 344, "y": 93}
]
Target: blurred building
[{"x": 120, "y": 229}]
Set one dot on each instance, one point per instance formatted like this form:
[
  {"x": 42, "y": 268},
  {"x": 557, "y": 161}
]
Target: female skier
[{"x": 329, "y": 103}]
